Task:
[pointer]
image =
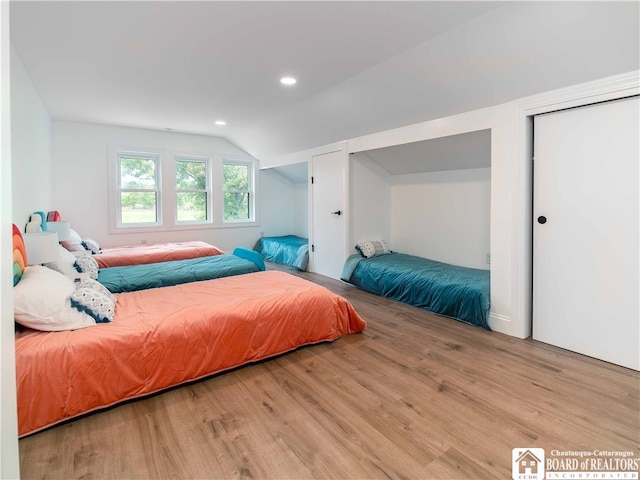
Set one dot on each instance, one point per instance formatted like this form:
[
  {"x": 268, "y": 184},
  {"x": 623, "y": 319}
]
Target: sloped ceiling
[
  {"x": 362, "y": 67},
  {"x": 295, "y": 173},
  {"x": 454, "y": 152}
]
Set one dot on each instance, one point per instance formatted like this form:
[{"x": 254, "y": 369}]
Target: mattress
[
  {"x": 168, "y": 336},
  {"x": 289, "y": 250},
  {"x": 453, "y": 291},
  {"x": 154, "y": 253}
]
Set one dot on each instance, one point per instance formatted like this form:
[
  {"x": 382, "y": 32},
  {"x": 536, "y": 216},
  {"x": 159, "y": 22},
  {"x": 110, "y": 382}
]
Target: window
[
  {"x": 138, "y": 189},
  {"x": 193, "y": 191},
  {"x": 154, "y": 189},
  {"x": 238, "y": 191}
]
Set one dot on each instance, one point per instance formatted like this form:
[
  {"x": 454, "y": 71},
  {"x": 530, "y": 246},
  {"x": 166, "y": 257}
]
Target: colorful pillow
[
  {"x": 94, "y": 299},
  {"x": 19, "y": 255},
  {"x": 53, "y": 216},
  {"x": 91, "y": 245},
  {"x": 41, "y": 301},
  {"x": 87, "y": 264},
  {"x": 372, "y": 248},
  {"x": 74, "y": 244},
  {"x": 35, "y": 224}
]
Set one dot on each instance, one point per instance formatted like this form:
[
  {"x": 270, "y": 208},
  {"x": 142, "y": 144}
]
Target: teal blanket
[
  {"x": 288, "y": 250},
  {"x": 457, "y": 292},
  {"x": 140, "y": 277}
]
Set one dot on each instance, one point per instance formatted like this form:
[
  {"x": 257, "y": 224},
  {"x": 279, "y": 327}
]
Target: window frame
[
  {"x": 156, "y": 157},
  {"x": 250, "y": 191},
  {"x": 209, "y": 190},
  {"x": 166, "y": 189}
]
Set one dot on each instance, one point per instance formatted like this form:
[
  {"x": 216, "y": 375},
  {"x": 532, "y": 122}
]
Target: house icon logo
[{"x": 527, "y": 463}]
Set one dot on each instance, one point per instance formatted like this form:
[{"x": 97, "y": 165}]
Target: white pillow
[
  {"x": 65, "y": 263},
  {"x": 74, "y": 243},
  {"x": 41, "y": 301}
]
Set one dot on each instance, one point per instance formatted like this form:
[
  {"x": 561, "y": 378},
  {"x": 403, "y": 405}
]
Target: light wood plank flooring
[{"x": 415, "y": 396}]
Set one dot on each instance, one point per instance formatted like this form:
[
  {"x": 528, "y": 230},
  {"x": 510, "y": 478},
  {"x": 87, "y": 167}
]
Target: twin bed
[
  {"x": 162, "y": 337},
  {"x": 129, "y": 278},
  {"x": 154, "y": 253},
  {"x": 449, "y": 290},
  {"x": 289, "y": 250}
]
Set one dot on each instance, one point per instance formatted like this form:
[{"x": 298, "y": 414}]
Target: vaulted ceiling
[{"x": 361, "y": 67}]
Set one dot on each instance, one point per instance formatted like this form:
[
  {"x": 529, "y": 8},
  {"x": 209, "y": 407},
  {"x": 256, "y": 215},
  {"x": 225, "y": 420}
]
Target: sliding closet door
[{"x": 585, "y": 265}]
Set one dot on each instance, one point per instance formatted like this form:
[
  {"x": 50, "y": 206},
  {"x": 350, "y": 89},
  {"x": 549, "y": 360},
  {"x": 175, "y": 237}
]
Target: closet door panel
[
  {"x": 329, "y": 224},
  {"x": 585, "y": 256}
]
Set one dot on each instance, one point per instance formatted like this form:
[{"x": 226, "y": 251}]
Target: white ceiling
[
  {"x": 454, "y": 152},
  {"x": 295, "y": 173},
  {"x": 362, "y": 67}
]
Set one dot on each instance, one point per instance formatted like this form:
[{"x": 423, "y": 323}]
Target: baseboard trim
[{"x": 504, "y": 324}]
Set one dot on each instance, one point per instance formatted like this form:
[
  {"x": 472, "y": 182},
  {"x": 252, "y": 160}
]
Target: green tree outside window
[
  {"x": 191, "y": 191},
  {"x": 237, "y": 192},
  {"x": 138, "y": 190}
]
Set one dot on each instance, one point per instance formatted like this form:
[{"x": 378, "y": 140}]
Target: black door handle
[
  {"x": 339, "y": 212},
  {"x": 542, "y": 219}
]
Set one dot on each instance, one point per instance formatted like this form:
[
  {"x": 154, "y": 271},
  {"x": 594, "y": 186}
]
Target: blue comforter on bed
[
  {"x": 289, "y": 250},
  {"x": 140, "y": 277},
  {"x": 457, "y": 292}
]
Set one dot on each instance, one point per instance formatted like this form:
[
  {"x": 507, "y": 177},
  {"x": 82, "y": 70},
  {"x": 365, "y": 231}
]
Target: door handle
[
  {"x": 339, "y": 212},
  {"x": 542, "y": 219}
]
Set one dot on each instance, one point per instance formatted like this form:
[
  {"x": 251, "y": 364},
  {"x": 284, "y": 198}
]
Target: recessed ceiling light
[
  {"x": 288, "y": 81},
  {"x": 221, "y": 122}
]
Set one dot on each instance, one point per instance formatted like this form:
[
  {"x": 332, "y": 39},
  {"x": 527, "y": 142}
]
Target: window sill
[{"x": 182, "y": 227}]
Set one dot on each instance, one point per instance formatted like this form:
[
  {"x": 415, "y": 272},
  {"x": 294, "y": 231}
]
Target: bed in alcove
[
  {"x": 429, "y": 199},
  {"x": 288, "y": 244}
]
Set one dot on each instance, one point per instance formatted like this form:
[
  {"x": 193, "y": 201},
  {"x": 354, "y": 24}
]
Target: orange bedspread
[
  {"x": 154, "y": 253},
  {"x": 167, "y": 336}
]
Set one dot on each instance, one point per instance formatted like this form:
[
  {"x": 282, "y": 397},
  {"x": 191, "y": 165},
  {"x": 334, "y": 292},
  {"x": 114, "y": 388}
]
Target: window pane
[
  {"x": 236, "y": 177},
  {"x": 236, "y": 206},
  {"x": 138, "y": 207},
  {"x": 137, "y": 173},
  {"x": 191, "y": 175},
  {"x": 191, "y": 206}
]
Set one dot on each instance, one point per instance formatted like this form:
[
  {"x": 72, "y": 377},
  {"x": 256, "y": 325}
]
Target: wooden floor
[{"x": 415, "y": 396}]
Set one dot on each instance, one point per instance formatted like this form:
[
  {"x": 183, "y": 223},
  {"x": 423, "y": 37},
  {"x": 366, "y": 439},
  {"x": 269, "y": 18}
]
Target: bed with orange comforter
[
  {"x": 168, "y": 336},
  {"x": 154, "y": 253}
]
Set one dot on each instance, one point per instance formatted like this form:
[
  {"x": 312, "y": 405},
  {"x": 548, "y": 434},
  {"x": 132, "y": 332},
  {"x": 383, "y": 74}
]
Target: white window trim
[
  {"x": 252, "y": 191},
  {"x": 115, "y": 189},
  {"x": 208, "y": 189},
  {"x": 167, "y": 200}
]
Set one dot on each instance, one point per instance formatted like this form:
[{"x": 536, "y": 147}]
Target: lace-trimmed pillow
[
  {"x": 372, "y": 248},
  {"x": 91, "y": 245},
  {"x": 87, "y": 264},
  {"x": 95, "y": 300}
]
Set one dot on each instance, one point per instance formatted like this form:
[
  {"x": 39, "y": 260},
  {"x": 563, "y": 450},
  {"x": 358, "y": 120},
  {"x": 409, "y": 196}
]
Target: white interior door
[
  {"x": 329, "y": 218},
  {"x": 585, "y": 256}
]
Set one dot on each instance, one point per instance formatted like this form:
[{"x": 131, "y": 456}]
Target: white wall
[
  {"x": 276, "y": 203},
  {"x": 80, "y": 186},
  {"x": 444, "y": 216},
  {"x": 9, "y": 454},
  {"x": 30, "y": 147},
  {"x": 301, "y": 209},
  {"x": 370, "y": 201}
]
